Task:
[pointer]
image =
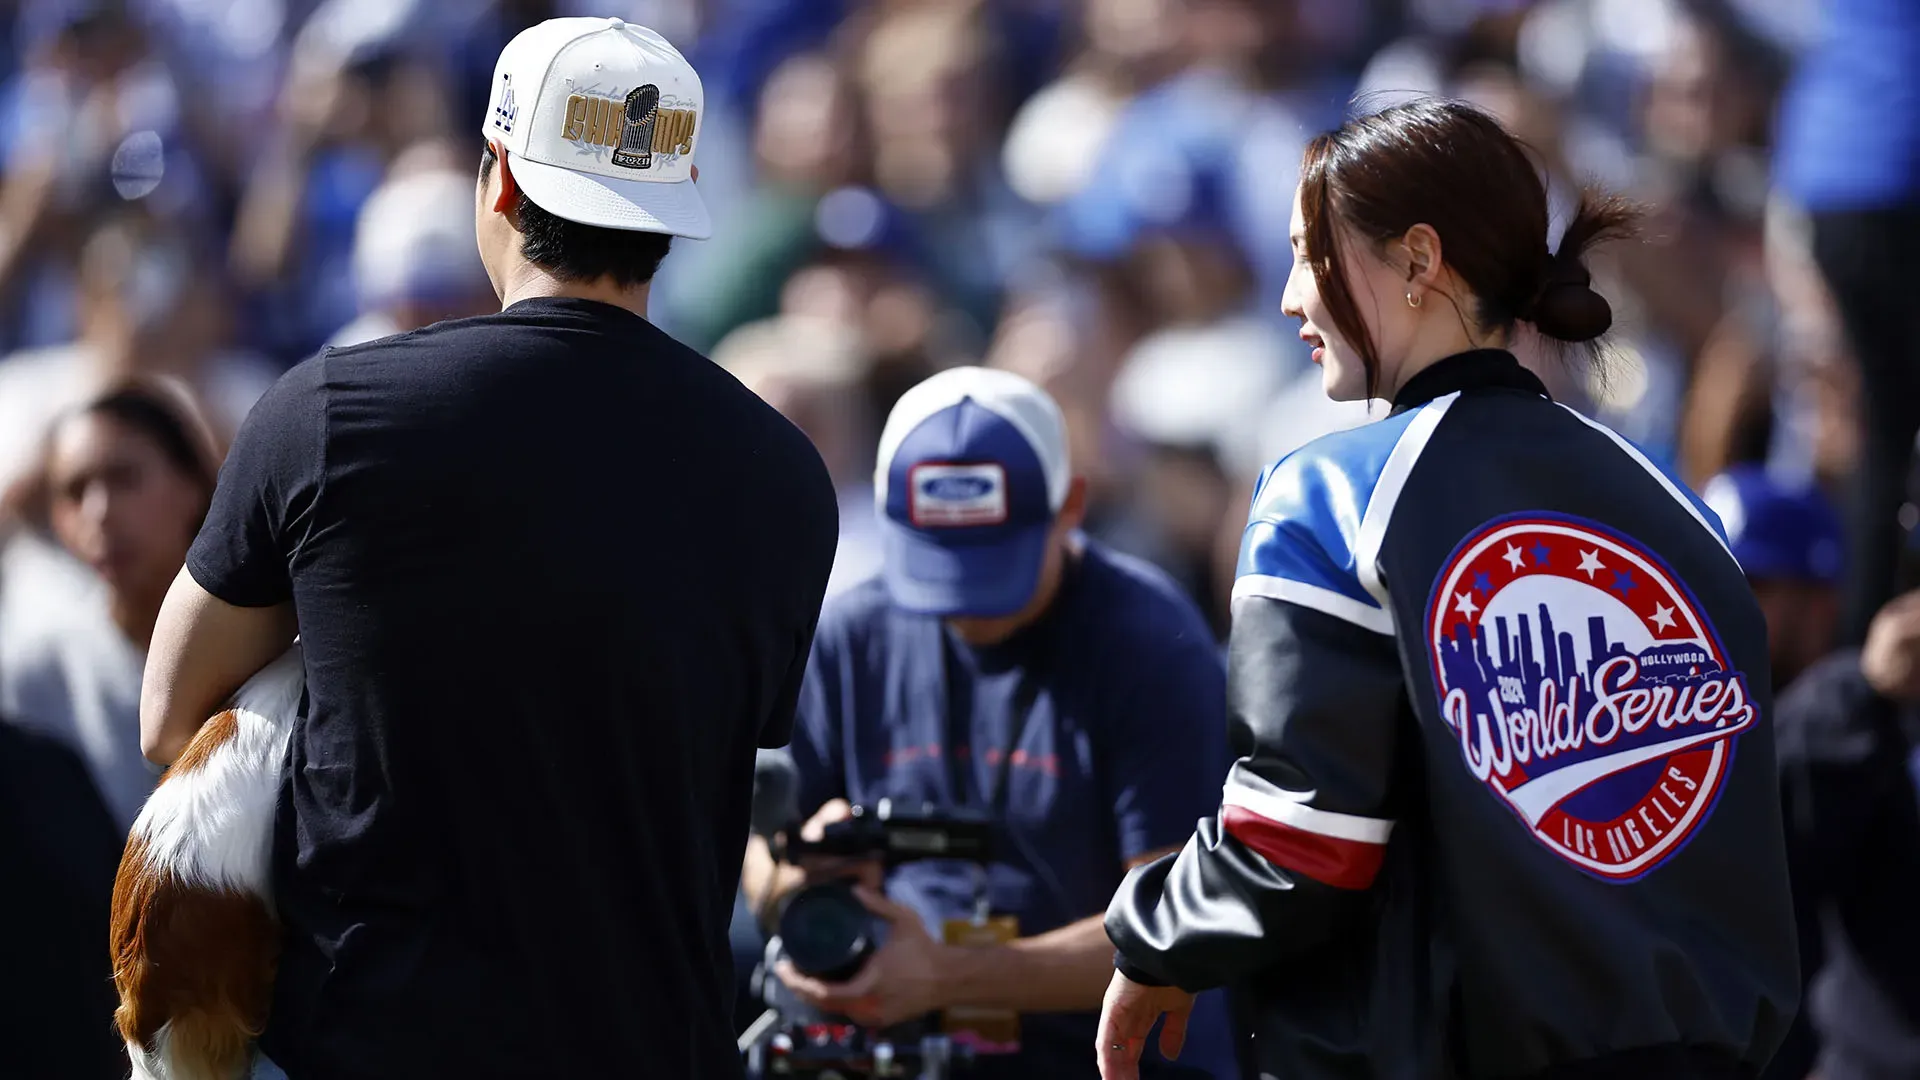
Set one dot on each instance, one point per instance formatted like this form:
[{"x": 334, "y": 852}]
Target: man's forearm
[
  {"x": 203, "y": 649},
  {"x": 1063, "y": 970}
]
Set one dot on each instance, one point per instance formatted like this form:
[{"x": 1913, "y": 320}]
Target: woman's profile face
[
  {"x": 1377, "y": 290},
  {"x": 120, "y": 505}
]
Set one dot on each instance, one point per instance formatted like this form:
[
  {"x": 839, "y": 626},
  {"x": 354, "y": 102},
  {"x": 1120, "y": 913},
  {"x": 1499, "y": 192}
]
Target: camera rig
[{"x": 825, "y": 932}]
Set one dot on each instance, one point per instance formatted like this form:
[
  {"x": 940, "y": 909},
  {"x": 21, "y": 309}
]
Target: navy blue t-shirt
[{"x": 1122, "y": 750}]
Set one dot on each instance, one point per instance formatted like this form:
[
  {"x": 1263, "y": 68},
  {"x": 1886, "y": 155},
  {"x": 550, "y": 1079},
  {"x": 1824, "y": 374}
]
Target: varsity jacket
[{"x": 1505, "y": 801}]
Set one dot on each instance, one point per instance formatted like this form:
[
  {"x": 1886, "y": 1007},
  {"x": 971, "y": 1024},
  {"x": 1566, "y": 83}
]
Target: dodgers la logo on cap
[
  {"x": 1587, "y": 690},
  {"x": 599, "y": 118}
]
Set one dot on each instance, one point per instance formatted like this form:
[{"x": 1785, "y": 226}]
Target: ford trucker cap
[
  {"x": 599, "y": 117},
  {"x": 972, "y": 471}
]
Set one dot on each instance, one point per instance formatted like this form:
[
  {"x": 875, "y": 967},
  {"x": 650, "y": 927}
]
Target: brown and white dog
[{"x": 195, "y": 939}]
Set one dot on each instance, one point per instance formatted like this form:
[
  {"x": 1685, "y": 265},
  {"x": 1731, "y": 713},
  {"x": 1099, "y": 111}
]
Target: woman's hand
[{"x": 1128, "y": 1015}]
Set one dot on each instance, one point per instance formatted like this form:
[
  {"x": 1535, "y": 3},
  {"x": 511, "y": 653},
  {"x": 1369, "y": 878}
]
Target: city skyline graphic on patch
[{"x": 1585, "y": 689}]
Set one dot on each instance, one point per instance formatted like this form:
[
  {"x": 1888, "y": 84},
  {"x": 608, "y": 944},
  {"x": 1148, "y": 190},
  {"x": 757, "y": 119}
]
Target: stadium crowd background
[{"x": 1093, "y": 193}]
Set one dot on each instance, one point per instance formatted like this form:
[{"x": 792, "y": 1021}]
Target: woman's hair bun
[{"x": 1565, "y": 307}]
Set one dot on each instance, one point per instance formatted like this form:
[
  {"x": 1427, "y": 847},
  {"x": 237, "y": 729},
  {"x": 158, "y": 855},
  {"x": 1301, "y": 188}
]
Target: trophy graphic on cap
[{"x": 636, "y": 138}]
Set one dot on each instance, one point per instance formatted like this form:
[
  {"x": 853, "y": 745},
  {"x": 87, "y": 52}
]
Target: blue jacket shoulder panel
[{"x": 1304, "y": 525}]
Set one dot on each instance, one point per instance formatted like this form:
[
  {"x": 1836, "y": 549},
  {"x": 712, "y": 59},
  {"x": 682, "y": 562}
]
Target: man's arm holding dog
[
  {"x": 203, "y": 650},
  {"x": 230, "y": 611}
]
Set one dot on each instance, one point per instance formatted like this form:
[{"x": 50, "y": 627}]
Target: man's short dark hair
[{"x": 577, "y": 252}]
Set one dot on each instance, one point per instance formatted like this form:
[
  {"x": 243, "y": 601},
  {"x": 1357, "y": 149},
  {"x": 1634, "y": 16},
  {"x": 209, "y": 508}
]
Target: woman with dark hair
[
  {"x": 1504, "y": 802},
  {"x": 122, "y": 487}
]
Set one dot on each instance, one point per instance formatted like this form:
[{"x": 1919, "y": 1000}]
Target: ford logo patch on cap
[{"x": 952, "y": 496}]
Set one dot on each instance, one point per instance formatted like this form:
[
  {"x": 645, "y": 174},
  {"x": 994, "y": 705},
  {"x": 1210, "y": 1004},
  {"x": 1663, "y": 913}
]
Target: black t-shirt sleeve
[
  {"x": 815, "y": 533},
  {"x": 778, "y": 729},
  {"x": 267, "y": 488}
]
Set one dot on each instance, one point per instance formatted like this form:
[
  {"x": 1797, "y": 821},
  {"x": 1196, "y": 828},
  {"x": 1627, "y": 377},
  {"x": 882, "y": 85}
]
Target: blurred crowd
[{"x": 196, "y": 194}]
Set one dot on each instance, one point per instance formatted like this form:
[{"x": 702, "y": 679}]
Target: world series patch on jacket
[{"x": 1588, "y": 690}]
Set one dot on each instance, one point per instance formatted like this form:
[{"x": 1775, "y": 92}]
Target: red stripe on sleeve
[{"x": 1330, "y": 860}]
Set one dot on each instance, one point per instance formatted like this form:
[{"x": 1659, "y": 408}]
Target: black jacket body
[{"x": 1505, "y": 802}]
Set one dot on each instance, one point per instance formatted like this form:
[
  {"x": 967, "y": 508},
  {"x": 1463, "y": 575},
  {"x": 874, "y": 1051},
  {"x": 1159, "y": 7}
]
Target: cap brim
[
  {"x": 634, "y": 205},
  {"x": 977, "y": 580}
]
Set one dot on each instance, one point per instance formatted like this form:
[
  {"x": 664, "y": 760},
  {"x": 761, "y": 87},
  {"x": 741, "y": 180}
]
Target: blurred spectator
[
  {"x": 60, "y": 850},
  {"x": 93, "y": 117},
  {"x": 1055, "y": 137},
  {"x": 415, "y": 259},
  {"x": 811, "y": 369},
  {"x": 360, "y": 90},
  {"x": 1787, "y": 538},
  {"x": 1847, "y": 732},
  {"x": 808, "y": 141},
  {"x": 1231, "y": 125},
  {"x": 1851, "y": 809},
  {"x": 125, "y": 482},
  {"x": 1850, "y": 156},
  {"x": 932, "y": 77},
  {"x": 148, "y": 303}
]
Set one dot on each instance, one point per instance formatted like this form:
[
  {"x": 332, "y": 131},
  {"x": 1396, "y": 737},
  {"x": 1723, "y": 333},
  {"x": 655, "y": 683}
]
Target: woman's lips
[{"x": 1319, "y": 346}]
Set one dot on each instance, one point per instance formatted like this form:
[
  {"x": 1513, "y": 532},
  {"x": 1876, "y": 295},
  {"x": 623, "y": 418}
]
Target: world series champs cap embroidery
[
  {"x": 600, "y": 118},
  {"x": 1586, "y": 689}
]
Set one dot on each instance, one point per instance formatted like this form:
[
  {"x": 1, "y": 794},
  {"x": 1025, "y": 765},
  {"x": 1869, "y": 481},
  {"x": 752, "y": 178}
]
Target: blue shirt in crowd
[
  {"x": 1122, "y": 750},
  {"x": 1850, "y": 124}
]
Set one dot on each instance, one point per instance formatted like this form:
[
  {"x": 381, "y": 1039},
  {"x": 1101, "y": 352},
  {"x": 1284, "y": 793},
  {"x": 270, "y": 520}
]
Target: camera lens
[{"x": 828, "y": 933}]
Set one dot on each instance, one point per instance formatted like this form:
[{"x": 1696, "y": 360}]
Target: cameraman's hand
[
  {"x": 818, "y": 868},
  {"x": 830, "y": 811},
  {"x": 900, "y": 982},
  {"x": 1890, "y": 658}
]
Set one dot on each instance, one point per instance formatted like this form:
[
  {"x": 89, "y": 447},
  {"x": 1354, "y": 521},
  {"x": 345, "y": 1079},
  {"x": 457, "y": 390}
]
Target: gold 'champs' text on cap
[{"x": 599, "y": 118}]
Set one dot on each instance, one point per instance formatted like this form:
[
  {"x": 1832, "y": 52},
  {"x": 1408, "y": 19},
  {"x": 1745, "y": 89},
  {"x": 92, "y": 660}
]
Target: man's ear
[
  {"x": 1074, "y": 510},
  {"x": 505, "y": 186}
]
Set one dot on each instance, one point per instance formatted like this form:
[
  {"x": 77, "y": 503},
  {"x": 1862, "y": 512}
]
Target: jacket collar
[{"x": 1475, "y": 369}]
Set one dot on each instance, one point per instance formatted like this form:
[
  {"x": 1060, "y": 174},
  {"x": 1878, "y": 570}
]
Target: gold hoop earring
[{"x": 1413, "y": 301}]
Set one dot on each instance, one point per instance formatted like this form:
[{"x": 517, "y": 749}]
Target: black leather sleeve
[{"x": 1314, "y": 704}]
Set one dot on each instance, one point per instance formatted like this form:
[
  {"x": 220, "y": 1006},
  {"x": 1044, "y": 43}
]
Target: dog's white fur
[{"x": 212, "y": 827}]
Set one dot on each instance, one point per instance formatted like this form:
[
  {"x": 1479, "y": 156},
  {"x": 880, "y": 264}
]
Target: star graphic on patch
[
  {"x": 1590, "y": 562},
  {"x": 1663, "y": 617},
  {"x": 1623, "y": 580},
  {"x": 1513, "y": 557},
  {"x": 1540, "y": 551},
  {"x": 1482, "y": 582},
  {"x": 1463, "y": 603}
]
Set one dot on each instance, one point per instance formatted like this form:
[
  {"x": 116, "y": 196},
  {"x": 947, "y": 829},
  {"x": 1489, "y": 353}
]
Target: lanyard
[{"x": 1026, "y": 694}]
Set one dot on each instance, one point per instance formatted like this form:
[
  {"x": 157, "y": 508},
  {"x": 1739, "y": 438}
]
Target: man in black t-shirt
[{"x": 556, "y": 577}]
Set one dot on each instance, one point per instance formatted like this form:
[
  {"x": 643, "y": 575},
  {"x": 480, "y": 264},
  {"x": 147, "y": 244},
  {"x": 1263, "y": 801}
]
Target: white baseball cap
[{"x": 600, "y": 117}]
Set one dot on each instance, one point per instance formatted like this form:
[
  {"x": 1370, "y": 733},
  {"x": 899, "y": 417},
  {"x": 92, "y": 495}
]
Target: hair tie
[{"x": 1559, "y": 274}]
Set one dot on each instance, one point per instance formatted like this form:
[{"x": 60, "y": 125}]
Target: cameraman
[{"x": 1005, "y": 664}]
